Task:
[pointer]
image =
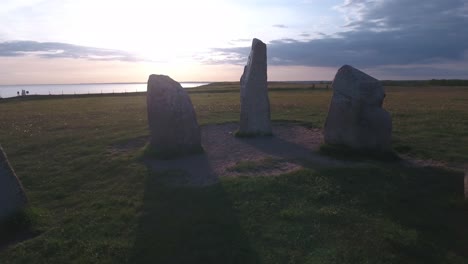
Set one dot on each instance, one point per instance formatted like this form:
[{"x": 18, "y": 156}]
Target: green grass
[
  {"x": 430, "y": 122},
  {"x": 354, "y": 215},
  {"x": 324, "y": 216},
  {"x": 189, "y": 225},
  {"x": 20, "y": 226},
  {"x": 97, "y": 202},
  {"x": 346, "y": 153}
]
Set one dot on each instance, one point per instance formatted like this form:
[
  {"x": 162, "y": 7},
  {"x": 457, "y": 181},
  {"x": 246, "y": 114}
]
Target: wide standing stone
[
  {"x": 171, "y": 117},
  {"x": 356, "y": 117},
  {"x": 255, "y": 105},
  {"x": 12, "y": 196}
]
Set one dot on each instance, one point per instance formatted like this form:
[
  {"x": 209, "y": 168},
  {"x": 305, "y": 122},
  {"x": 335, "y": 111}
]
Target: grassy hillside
[{"x": 95, "y": 204}]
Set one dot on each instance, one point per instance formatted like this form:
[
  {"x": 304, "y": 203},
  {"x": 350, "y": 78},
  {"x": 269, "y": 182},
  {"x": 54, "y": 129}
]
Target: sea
[{"x": 7, "y": 91}]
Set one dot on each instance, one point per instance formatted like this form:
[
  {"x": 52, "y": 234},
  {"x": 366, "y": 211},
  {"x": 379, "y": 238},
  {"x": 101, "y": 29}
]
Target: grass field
[{"x": 92, "y": 204}]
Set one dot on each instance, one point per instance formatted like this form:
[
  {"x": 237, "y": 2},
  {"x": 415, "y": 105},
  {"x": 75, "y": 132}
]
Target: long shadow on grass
[
  {"x": 419, "y": 214},
  {"x": 188, "y": 224}
]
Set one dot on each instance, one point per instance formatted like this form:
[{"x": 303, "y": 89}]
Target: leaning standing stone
[
  {"x": 171, "y": 117},
  {"x": 356, "y": 117},
  {"x": 255, "y": 105},
  {"x": 12, "y": 196}
]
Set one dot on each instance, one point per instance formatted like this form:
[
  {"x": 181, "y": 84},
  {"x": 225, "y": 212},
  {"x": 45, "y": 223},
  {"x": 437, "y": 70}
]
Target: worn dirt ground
[{"x": 290, "y": 146}]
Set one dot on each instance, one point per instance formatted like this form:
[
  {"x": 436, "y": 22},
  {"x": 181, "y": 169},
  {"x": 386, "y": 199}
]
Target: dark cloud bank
[
  {"x": 61, "y": 50},
  {"x": 380, "y": 33},
  {"x": 403, "y": 38}
]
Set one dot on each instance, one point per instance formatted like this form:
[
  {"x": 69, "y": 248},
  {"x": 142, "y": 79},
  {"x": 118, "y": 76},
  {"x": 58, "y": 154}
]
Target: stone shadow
[
  {"x": 423, "y": 208},
  {"x": 188, "y": 217},
  {"x": 279, "y": 145},
  {"x": 190, "y": 170}
]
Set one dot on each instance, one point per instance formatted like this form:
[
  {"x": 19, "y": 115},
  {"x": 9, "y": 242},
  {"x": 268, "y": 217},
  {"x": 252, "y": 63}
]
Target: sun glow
[
  {"x": 176, "y": 37},
  {"x": 158, "y": 31}
]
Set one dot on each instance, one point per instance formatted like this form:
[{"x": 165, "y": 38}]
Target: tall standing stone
[
  {"x": 171, "y": 117},
  {"x": 356, "y": 117},
  {"x": 12, "y": 196},
  {"x": 255, "y": 105}
]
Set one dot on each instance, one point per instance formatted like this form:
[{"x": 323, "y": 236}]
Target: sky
[{"x": 90, "y": 41}]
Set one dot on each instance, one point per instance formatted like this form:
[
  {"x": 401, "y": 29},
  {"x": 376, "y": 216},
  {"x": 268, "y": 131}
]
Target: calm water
[{"x": 58, "y": 89}]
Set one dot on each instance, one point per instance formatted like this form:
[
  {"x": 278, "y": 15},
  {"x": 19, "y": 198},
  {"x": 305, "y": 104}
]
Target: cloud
[
  {"x": 421, "y": 71},
  {"x": 62, "y": 50},
  {"x": 284, "y": 41},
  {"x": 280, "y": 26},
  {"x": 378, "y": 33},
  {"x": 242, "y": 40},
  {"x": 403, "y": 14}
]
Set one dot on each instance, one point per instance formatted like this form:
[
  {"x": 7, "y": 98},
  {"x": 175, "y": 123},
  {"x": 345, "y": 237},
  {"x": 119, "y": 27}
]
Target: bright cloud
[
  {"x": 408, "y": 39},
  {"x": 394, "y": 38}
]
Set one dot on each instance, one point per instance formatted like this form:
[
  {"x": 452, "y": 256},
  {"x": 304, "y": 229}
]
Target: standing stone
[
  {"x": 171, "y": 117},
  {"x": 356, "y": 117},
  {"x": 255, "y": 105},
  {"x": 12, "y": 196}
]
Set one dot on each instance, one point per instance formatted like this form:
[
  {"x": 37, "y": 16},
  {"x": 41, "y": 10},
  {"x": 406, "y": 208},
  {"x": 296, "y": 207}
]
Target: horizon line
[{"x": 210, "y": 82}]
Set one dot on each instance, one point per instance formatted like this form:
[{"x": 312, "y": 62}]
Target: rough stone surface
[
  {"x": 255, "y": 105},
  {"x": 171, "y": 117},
  {"x": 356, "y": 117},
  {"x": 12, "y": 196}
]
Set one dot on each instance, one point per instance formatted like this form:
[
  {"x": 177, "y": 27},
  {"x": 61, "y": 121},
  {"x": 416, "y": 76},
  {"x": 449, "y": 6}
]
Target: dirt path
[
  {"x": 290, "y": 146},
  {"x": 226, "y": 155}
]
